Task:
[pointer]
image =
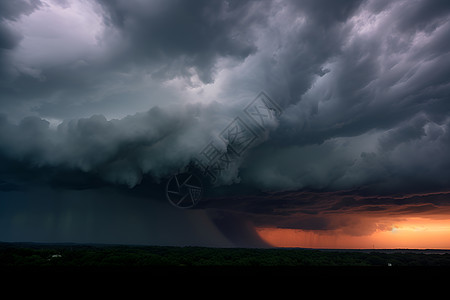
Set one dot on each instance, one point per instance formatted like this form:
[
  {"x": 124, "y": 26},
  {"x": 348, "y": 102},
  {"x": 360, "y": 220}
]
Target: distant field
[{"x": 79, "y": 256}]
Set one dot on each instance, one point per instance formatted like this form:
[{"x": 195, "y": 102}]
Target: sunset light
[
  {"x": 226, "y": 124},
  {"x": 410, "y": 233}
]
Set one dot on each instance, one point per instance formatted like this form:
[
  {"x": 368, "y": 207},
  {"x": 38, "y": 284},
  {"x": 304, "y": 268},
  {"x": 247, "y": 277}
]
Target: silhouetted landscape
[
  {"x": 17, "y": 255},
  {"x": 225, "y": 130}
]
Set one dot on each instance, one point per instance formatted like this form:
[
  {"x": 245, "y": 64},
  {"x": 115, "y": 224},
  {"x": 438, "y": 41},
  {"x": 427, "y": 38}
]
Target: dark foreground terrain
[{"x": 237, "y": 261}]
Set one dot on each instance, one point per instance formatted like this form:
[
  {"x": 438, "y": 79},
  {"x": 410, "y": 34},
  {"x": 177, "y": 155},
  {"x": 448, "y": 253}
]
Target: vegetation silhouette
[{"x": 76, "y": 255}]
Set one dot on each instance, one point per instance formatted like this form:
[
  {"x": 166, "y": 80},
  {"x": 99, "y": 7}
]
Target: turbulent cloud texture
[
  {"x": 364, "y": 87},
  {"x": 120, "y": 91}
]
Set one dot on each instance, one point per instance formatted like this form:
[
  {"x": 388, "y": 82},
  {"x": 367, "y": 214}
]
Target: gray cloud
[
  {"x": 363, "y": 85},
  {"x": 9, "y": 37},
  {"x": 354, "y": 212},
  {"x": 13, "y": 9},
  {"x": 174, "y": 36},
  {"x": 369, "y": 118},
  {"x": 120, "y": 49},
  {"x": 118, "y": 150},
  {"x": 411, "y": 156},
  {"x": 361, "y": 91},
  {"x": 327, "y": 13},
  {"x": 153, "y": 144}
]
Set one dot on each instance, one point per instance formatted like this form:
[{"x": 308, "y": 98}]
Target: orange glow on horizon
[{"x": 412, "y": 233}]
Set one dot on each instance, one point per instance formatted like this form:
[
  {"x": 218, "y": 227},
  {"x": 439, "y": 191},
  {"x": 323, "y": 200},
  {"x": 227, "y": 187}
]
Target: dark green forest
[{"x": 79, "y": 256}]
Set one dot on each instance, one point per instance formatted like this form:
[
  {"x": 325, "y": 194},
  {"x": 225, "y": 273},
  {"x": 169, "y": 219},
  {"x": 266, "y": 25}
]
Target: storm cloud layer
[{"x": 118, "y": 91}]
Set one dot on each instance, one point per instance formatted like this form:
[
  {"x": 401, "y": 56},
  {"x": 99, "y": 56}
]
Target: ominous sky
[{"x": 102, "y": 101}]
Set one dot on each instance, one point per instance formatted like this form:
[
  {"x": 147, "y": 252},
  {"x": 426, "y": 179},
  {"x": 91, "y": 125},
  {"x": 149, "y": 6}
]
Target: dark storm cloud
[
  {"x": 120, "y": 50},
  {"x": 364, "y": 88},
  {"x": 363, "y": 85},
  {"x": 174, "y": 36},
  {"x": 424, "y": 15},
  {"x": 300, "y": 38},
  {"x": 119, "y": 151},
  {"x": 378, "y": 115},
  {"x": 13, "y": 9},
  {"x": 353, "y": 211},
  {"x": 9, "y": 37},
  {"x": 376, "y": 67},
  {"x": 325, "y": 12}
]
